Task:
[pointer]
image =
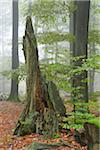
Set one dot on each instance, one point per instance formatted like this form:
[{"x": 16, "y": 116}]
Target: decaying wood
[
  {"x": 93, "y": 136},
  {"x": 88, "y": 136},
  {"x": 46, "y": 146},
  {"x": 81, "y": 137},
  {"x": 43, "y": 100}
]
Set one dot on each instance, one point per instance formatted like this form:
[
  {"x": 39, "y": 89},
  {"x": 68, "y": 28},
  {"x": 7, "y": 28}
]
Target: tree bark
[
  {"x": 92, "y": 131},
  {"x": 15, "y": 59},
  {"x": 39, "y": 115},
  {"x": 79, "y": 27}
]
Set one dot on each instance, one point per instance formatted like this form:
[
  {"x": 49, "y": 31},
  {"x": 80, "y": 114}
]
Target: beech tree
[
  {"x": 79, "y": 21},
  {"x": 15, "y": 59}
]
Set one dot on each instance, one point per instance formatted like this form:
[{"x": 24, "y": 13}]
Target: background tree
[
  {"x": 15, "y": 59},
  {"x": 79, "y": 27},
  {"x": 94, "y": 42}
]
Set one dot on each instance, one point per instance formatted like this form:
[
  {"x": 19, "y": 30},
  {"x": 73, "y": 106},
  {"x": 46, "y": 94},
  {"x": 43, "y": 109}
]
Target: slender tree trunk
[
  {"x": 79, "y": 22},
  {"x": 56, "y": 46},
  {"x": 91, "y": 73},
  {"x": 56, "y": 52},
  {"x": 30, "y": 7},
  {"x": 15, "y": 59},
  {"x": 91, "y": 52}
]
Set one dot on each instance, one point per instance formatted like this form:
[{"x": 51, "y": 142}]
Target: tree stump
[
  {"x": 43, "y": 100},
  {"x": 92, "y": 131}
]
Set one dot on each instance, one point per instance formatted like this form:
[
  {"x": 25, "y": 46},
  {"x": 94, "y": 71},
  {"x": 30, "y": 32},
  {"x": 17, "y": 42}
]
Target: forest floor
[{"x": 9, "y": 113}]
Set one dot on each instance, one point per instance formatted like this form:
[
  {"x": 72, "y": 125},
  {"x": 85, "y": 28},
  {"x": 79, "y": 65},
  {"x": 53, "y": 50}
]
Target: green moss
[{"x": 95, "y": 121}]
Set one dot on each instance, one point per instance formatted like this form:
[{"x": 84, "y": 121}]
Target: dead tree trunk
[{"x": 40, "y": 113}]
